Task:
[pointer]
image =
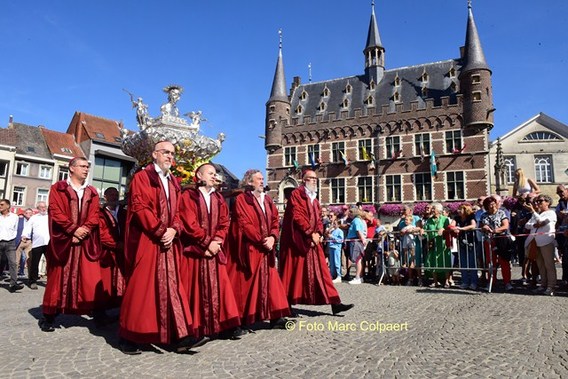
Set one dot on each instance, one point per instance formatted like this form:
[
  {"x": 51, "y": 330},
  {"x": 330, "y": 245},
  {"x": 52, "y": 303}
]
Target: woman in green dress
[{"x": 438, "y": 254}]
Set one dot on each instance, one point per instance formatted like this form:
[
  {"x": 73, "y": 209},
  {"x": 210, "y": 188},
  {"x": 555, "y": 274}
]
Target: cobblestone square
[{"x": 391, "y": 332}]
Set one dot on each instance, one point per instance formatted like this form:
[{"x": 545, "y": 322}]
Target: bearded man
[{"x": 302, "y": 264}]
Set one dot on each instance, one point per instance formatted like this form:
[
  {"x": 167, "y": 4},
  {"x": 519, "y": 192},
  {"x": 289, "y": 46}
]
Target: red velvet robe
[
  {"x": 112, "y": 253},
  {"x": 303, "y": 269},
  {"x": 251, "y": 267},
  {"x": 211, "y": 297},
  {"x": 154, "y": 306},
  {"x": 74, "y": 284}
]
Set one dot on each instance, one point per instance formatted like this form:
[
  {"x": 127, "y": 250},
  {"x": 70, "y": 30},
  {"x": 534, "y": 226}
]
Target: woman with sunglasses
[{"x": 543, "y": 221}]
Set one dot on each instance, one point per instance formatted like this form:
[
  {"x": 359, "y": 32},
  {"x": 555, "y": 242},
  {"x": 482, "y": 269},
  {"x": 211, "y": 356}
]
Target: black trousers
[{"x": 33, "y": 265}]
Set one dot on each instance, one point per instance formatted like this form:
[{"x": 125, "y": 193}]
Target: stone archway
[{"x": 285, "y": 188}]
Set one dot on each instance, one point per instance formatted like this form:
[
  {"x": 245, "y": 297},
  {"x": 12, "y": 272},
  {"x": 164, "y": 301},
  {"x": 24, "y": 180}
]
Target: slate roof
[
  {"x": 27, "y": 139},
  {"x": 410, "y": 89}
]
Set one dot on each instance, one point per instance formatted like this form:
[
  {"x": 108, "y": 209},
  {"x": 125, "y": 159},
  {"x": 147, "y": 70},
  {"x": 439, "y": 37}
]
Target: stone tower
[
  {"x": 475, "y": 81},
  {"x": 277, "y": 107},
  {"x": 374, "y": 52}
]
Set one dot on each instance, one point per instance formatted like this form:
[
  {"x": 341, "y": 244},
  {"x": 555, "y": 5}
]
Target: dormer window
[
  {"x": 454, "y": 87},
  {"x": 303, "y": 95},
  {"x": 372, "y": 85},
  {"x": 424, "y": 92},
  {"x": 326, "y": 92},
  {"x": 397, "y": 81},
  {"x": 369, "y": 100},
  {"x": 452, "y": 72},
  {"x": 345, "y": 104},
  {"x": 321, "y": 107},
  {"x": 99, "y": 135},
  {"x": 396, "y": 97},
  {"x": 348, "y": 88},
  {"x": 424, "y": 77},
  {"x": 299, "y": 109}
]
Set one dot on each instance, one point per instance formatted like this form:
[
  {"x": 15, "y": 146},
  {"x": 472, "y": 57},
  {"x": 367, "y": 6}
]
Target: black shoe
[
  {"x": 184, "y": 345},
  {"x": 200, "y": 342},
  {"x": 280, "y": 323},
  {"x": 46, "y": 326},
  {"x": 15, "y": 287},
  {"x": 338, "y": 308},
  {"x": 129, "y": 348},
  {"x": 232, "y": 334}
]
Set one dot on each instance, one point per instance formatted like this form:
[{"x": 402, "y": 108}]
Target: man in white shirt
[
  {"x": 36, "y": 230},
  {"x": 8, "y": 231}
]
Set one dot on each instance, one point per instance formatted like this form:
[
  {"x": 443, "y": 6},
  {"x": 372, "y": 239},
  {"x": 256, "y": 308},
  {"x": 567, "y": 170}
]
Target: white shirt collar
[
  {"x": 312, "y": 195},
  {"x": 161, "y": 172}
]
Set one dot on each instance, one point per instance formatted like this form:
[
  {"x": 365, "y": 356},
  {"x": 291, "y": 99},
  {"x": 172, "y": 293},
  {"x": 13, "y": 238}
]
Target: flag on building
[
  {"x": 365, "y": 154},
  {"x": 433, "y": 166},
  {"x": 296, "y": 164},
  {"x": 345, "y": 160},
  {"x": 312, "y": 161}
]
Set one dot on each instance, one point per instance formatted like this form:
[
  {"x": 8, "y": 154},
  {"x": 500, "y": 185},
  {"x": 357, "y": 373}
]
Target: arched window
[
  {"x": 543, "y": 168},
  {"x": 541, "y": 136}
]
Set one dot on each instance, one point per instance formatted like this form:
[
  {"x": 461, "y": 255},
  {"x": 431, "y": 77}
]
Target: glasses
[{"x": 166, "y": 152}]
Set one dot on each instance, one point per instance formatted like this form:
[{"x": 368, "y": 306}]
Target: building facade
[
  {"x": 407, "y": 134},
  {"x": 100, "y": 140},
  {"x": 540, "y": 147}
]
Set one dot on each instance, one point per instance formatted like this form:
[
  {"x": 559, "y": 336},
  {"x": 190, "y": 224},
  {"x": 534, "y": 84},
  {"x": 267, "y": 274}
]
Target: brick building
[{"x": 415, "y": 133}]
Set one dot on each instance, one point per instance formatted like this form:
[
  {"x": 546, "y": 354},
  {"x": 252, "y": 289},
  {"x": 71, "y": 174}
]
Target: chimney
[
  {"x": 295, "y": 84},
  {"x": 11, "y": 122}
]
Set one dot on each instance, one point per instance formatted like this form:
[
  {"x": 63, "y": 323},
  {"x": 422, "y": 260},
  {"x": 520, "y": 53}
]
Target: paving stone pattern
[{"x": 450, "y": 333}]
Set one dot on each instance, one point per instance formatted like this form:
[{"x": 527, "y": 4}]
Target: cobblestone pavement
[{"x": 433, "y": 332}]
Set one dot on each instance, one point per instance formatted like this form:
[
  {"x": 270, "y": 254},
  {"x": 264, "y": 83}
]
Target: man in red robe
[
  {"x": 112, "y": 246},
  {"x": 251, "y": 264},
  {"x": 72, "y": 255},
  {"x": 302, "y": 264},
  {"x": 205, "y": 219},
  {"x": 154, "y": 306}
]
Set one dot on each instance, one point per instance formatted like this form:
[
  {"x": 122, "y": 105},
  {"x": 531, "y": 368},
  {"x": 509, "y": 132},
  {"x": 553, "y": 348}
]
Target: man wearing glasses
[
  {"x": 73, "y": 250},
  {"x": 154, "y": 309},
  {"x": 302, "y": 265}
]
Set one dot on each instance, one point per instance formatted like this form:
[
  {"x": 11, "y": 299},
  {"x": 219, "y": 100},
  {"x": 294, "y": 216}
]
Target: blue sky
[{"x": 59, "y": 57}]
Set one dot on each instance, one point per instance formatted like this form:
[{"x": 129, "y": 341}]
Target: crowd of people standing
[{"x": 476, "y": 240}]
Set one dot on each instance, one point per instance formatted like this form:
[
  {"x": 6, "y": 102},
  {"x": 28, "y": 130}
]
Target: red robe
[
  {"x": 251, "y": 267},
  {"x": 303, "y": 269},
  {"x": 154, "y": 306},
  {"x": 211, "y": 297},
  {"x": 112, "y": 254},
  {"x": 74, "y": 284}
]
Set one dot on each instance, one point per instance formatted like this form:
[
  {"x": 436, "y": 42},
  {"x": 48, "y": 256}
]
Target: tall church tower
[
  {"x": 277, "y": 107},
  {"x": 475, "y": 81},
  {"x": 374, "y": 52}
]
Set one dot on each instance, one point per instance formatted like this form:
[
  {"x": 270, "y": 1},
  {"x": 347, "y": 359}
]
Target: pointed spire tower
[
  {"x": 374, "y": 51},
  {"x": 475, "y": 80},
  {"x": 277, "y": 106}
]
